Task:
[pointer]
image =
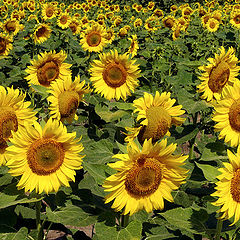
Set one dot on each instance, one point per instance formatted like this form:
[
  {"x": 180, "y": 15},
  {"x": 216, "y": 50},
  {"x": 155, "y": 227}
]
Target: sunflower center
[
  {"x": 49, "y": 12},
  {"x": 68, "y": 102},
  {"x": 93, "y": 39},
  {"x": 3, "y": 146},
  {"x": 169, "y": 23},
  {"x": 235, "y": 186},
  {"x": 212, "y": 24},
  {"x": 234, "y": 115},
  {"x": 63, "y": 20},
  {"x": 219, "y": 76},
  {"x": 45, "y": 156},
  {"x": 41, "y": 31},
  {"x": 237, "y": 19},
  {"x": 8, "y": 123},
  {"x": 47, "y": 73},
  {"x": 159, "y": 122},
  {"x": 11, "y": 26},
  {"x": 3, "y": 45},
  {"x": 144, "y": 177},
  {"x": 115, "y": 75}
]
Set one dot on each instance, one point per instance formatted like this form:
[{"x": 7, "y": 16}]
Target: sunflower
[
  {"x": 110, "y": 36},
  {"x": 137, "y": 23},
  {"x": 134, "y": 45},
  {"x": 11, "y": 27},
  {"x": 177, "y": 27},
  {"x": 75, "y": 26},
  {"x": 151, "y": 5},
  {"x": 48, "y": 67},
  {"x": 156, "y": 114},
  {"x": 145, "y": 177},
  {"x": 93, "y": 38},
  {"x": 235, "y": 18},
  {"x": 63, "y": 20},
  {"x": 41, "y": 33},
  {"x": 48, "y": 11},
  {"x": 114, "y": 75},
  {"x": 5, "y": 45},
  {"x": 227, "y": 189},
  {"x": 219, "y": 73},
  {"x": 226, "y": 115},
  {"x": 65, "y": 98},
  {"x": 212, "y": 25},
  {"x": 168, "y": 21},
  {"x": 44, "y": 158},
  {"x": 14, "y": 113},
  {"x": 151, "y": 24}
]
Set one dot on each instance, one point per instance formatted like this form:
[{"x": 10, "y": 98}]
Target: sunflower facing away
[
  {"x": 14, "y": 113},
  {"x": 65, "y": 98},
  {"x": 157, "y": 114},
  {"x": 44, "y": 158},
  {"x": 227, "y": 189},
  {"x": 145, "y": 178},
  {"x": 218, "y": 74},
  {"x": 48, "y": 67},
  {"x": 42, "y": 33},
  {"x": 227, "y": 112},
  {"x": 93, "y": 38},
  {"x": 114, "y": 75}
]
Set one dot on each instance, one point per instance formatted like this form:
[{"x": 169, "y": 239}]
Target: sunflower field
[{"x": 119, "y": 120}]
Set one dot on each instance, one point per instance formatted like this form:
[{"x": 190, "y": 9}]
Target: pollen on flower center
[
  {"x": 115, "y": 75},
  {"x": 45, "y": 156},
  {"x": 93, "y": 39},
  {"x": 41, "y": 31},
  {"x": 219, "y": 76},
  {"x": 3, "y": 45},
  {"x": 235, "y": 186},
  {"x": 49, "y": 12},
  {"x": 8, "y": 123},
  {"x": 68, "y": 102},
  {"x": 47, "y": 73},
  {"x": 159, "y": 122},
  {"x": 144, "y": 177},
  {"x": 63, "y": 20},
  {"x": 11, "y": 26},
  {"x": 3, "y": 146},
  {"x": 234, "y": 115}
]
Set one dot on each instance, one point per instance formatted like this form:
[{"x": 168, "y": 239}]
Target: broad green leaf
[
  {"x": 210, "y": 172},
  {"x": 41, "y": 90},
  {"x": 20, "y": 235},
  {"x": 131, "y": 232},
  {"x": 71, "y": 215}
]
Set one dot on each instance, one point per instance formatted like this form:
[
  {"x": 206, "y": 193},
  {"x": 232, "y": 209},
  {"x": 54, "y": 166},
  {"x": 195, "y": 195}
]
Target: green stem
[
  {"x": 38, "y": 221},
  {"x": 124, "y": 220},
  {"x": 218, "y": 229}
]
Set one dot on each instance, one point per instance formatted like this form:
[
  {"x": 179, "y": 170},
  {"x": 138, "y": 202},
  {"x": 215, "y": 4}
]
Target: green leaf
[
  {"x": 20, "y": 235},
  {"x": 71, "y": 215},
  {"x": 210, "y": 172},
  {"x": 108, "y": 115},
  {"x": 131, "y": 232},
  {"x": 26, "y": 212},
  {"x": 41, "y": 90}
]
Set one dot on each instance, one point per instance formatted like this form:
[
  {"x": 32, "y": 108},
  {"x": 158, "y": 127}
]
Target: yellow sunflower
[
  {"x": 65, "y": 98},
  {"x": 218, "y": 74},
  {"x": 110, "y": 36},
  {"x": 227, "y": 189},
  {"x": 226, "y": 115},
  {"x": 114, "y": 75},
  {"x": 48, "y": 67},
  {"x": 44, "y": 158},
  {"x": 212, "y": 25},
  {"x": 134, "y": 46},
  {"x": 169, "y": 21},
  {"x": 48, "y": 11},
  {"x": 235, "y": 18},
  {"x": 41, "y": 33},
  {"x": 5, "y": 45},
  {"x": 138, "y": 23},
  {"x": 75, "y": 26},
  {"x": 63, "y": 20},
  {"x": 12, "y": 26},
  {"x": 14, "y": 113},
  {"x": 145, "y": 177},
  {"x": 156, "y": 115},
  {"x": 93, "y": 38}
]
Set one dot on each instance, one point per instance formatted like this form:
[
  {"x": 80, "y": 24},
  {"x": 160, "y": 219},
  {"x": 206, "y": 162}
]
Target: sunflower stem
[
  {"x": 124, "y": 220},
  {"x": 38, "y": 220},
  {"x": 218, "y": 229}
]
